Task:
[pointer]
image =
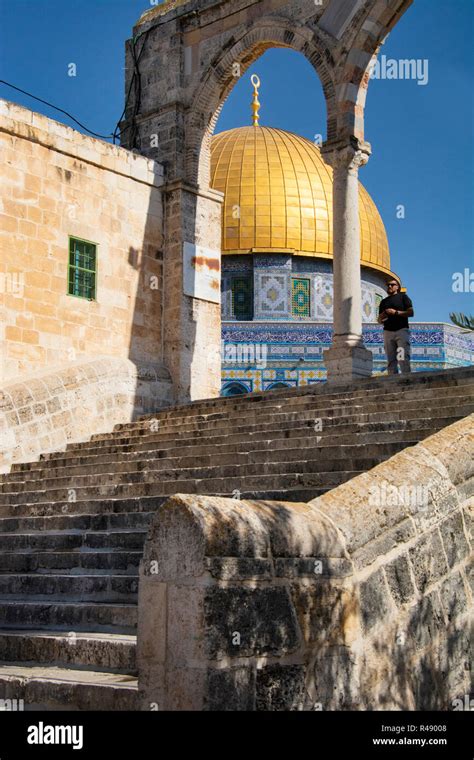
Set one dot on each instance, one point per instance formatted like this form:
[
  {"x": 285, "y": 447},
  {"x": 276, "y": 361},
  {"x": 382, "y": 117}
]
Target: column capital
[{"x": 349, "y": 153}]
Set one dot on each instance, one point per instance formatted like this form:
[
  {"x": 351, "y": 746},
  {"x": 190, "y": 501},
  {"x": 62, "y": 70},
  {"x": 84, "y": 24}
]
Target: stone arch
[
  {"x": 362, "y": 43},
  {"x": 219, "y": 80},
  {"x": 278, "y": 386},
  {"x": 234, "y": 388},
  {"x": 186, "y": 71}
]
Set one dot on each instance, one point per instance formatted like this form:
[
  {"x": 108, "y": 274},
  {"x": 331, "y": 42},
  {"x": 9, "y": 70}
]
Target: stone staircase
[{"x": 73, "y": 525}]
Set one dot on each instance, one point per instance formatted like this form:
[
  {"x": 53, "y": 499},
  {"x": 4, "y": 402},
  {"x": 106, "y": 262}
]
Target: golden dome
[{"x": 278, "y": 197}]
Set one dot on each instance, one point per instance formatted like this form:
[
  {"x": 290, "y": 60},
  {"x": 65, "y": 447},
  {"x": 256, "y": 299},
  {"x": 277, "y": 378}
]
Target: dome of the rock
[{"x": 278, "y": 197}]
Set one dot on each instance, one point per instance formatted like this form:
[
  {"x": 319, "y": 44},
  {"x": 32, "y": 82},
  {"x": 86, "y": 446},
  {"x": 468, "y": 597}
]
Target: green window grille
[
  {"x": 82, "y": 269},
  {"x": 300, "y": 297},
  {"x": 242, "y": 297},
  {"x": 378, "y": 301}
]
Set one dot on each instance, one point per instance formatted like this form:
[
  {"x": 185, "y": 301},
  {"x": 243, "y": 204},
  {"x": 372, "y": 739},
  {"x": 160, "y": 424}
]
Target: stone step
[
  {"x": 76, "y": 562},
  {"x": 71, "y": 523},
  {"x": 65, "y": 540},
  {"x": 413, "y": 430},
  {"x": 69, "y": 616},
  {"x": 54, "y": 688},
  {"x": 89, "y": 506},
  {"x": 174, "y": 479},
  {"x": 52, "y": 587},
  {"x": 381, "y": 386},
  {"x": 144, "y": 443},
  {"x": 341, "y": 470},
  {"x": 333, "y": 422},
  {"x": 144, "y": 503},
  {"x": 233, "y": 463},
  {"x": 137, "y": 451},
  {"x": 294, "y": 405},
  {"x": 288, "y": 411},
  {"x": 68, "y": 570},
  {"x": 216, "y": 486},
  {"x": 84, "y": 650},
  {"x": 203, "y": 462},
  {"x": 348, "y": 413}
]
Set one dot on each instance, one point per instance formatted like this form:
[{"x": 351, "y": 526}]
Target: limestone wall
[
  {"x": 56, "y": 183},
  {"x": 48, "y": 410},
  {"x": 358, "y": 600}
]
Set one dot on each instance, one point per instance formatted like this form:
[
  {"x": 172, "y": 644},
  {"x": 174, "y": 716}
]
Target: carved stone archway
[
  {"x": 180, "y": 69},
  {"x": 220, "y": 79}
]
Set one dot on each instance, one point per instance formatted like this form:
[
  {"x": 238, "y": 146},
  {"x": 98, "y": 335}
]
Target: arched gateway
[{"x": 182, "y": 63}]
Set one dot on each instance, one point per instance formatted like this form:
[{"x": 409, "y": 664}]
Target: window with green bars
[
  {"x": 82, "y": 270},
  {"x": 242, "y": 297}
]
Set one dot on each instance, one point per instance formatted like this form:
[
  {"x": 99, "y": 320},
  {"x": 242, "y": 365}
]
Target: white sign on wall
[{"x": 201, "y": 273}]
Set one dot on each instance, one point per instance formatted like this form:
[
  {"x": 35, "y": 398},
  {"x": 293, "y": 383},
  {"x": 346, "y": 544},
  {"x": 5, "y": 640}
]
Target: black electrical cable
[
  {"x": 136, "y": 74},
  {"x": 112, "y": 136},
  {"x": 104, "y": 137}
]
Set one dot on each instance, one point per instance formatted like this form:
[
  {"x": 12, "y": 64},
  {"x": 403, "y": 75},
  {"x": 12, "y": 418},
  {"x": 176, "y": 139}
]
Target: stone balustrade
[{"x": 358, "y": 600}]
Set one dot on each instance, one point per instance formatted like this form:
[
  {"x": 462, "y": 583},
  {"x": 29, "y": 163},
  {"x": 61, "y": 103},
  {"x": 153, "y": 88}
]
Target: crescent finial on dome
[{"x": 255, "y": 102}]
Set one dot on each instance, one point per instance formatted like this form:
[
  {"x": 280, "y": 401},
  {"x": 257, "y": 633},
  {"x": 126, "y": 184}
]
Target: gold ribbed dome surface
[{"x": 278, "y": 197}]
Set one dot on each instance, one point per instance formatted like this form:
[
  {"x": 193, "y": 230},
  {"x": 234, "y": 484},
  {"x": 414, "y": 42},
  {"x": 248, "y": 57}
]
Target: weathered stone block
[
  {"x": 389, "y": 539},
  {"x": 374, "y": 600},
  {"x": 245, "y": 621},
  {"x": 399, "y": 580},
  {"x": 281, "y": 687},
  {"x": 239, "y": 568},
  {"x": 425, "y": 621},
  {"x": 425, "y": 684},
  {"x": 428, "y": 560},
  {"x": 453, "y": 597},
  {"x": 313, "y": 567},
  {"x": 454, "y": 539},
  {"x": 232, "y": 689},
  {"x": 324, "y": 611},
  {"x": 335, "y": 683}
]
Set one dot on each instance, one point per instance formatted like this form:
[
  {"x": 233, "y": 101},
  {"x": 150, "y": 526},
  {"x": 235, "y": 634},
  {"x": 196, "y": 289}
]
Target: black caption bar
[{"x": 136, "y": 735}]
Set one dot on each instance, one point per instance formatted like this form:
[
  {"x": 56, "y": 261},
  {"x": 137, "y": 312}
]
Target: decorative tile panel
[
  {"x": 300, "y": 297},
  {"x": 242, "y": 297},
  {"x": 272, "y": 294}
]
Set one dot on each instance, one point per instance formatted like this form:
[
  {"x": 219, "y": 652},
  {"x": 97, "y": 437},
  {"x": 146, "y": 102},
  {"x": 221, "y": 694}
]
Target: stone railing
[
  {"x": 358, "y": 600},
  {"x": 49, "y": 409}
]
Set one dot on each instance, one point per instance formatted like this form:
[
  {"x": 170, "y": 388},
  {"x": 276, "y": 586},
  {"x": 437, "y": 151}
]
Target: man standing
[{"x": 393, "y": 314}]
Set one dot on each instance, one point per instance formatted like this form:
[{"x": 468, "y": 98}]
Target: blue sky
[{"x": 421, "y": 136}]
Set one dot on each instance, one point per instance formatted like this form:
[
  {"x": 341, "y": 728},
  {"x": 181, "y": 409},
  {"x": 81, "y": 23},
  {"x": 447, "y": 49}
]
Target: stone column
[
  {"x": 347, "y": 359},
  {"x": 192, "y": 309}
]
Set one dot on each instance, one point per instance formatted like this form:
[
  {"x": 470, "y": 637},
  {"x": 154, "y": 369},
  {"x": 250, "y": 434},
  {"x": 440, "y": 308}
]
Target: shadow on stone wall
[
  {"x": 340, "y": 604},
  {"x": 147, "y": 328}
]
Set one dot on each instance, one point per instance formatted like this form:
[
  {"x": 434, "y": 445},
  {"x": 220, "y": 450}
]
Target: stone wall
[
  {"x": 48, "y": 410},
  {"x": 58, "y": 183},
  {"x": 358, "y": 600}
]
